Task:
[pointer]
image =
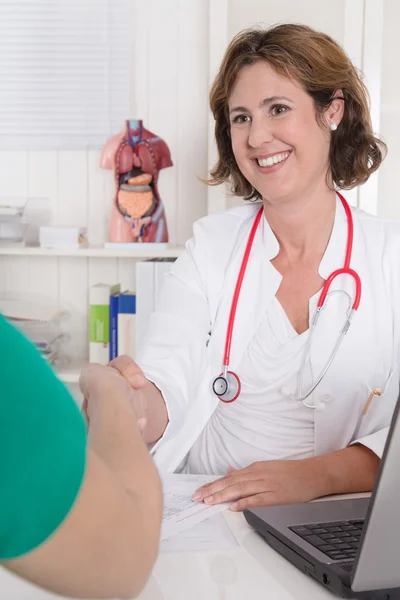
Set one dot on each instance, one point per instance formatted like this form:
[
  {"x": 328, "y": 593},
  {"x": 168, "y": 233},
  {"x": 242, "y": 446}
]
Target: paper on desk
[
  {"x": 212, "y": 534},
  {"x": 180, "y": 512}
]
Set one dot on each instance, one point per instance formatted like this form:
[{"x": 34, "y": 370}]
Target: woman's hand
[
  {"x": 264, "y": 484},
  {"x": 130, "y": 370}
]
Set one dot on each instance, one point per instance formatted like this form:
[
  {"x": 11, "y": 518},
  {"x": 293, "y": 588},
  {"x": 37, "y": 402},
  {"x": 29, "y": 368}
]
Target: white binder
[{"x": 149, "y": 280}]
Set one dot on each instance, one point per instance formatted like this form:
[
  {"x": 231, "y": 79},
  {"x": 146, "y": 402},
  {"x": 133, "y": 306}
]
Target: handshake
[{"x": 123, "y": 378}]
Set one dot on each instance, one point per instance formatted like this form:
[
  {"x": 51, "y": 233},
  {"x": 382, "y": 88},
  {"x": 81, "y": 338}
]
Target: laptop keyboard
[{"x": 338, "y": 540}]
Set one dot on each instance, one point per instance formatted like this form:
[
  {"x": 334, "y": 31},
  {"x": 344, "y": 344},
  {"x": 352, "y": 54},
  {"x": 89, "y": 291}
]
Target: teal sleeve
[{"x": 42, "y": 446}]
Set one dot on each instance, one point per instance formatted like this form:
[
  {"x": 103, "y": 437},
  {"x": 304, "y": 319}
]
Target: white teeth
[{"x": 272, "y": 160}]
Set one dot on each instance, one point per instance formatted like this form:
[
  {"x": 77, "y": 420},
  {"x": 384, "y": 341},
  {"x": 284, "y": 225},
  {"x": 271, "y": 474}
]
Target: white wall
[
  {"x": 321, "y": 14},
  {"x": 170, "y": 91},
  {"x": 389, "y": 193}
]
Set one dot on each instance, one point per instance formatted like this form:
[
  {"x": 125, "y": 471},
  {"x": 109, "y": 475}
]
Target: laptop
[{"x": 350, "y": 546}]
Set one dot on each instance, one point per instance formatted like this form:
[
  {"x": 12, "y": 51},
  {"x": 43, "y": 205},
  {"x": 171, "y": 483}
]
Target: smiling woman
[
  {"x": 280, "y": 149},
  {"x": 233, "y": 343},
  {"x": 297, "y": 59}
]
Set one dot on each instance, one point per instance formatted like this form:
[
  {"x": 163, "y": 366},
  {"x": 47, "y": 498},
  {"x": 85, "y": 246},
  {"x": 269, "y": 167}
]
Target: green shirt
[{"x": 42, "y": 446}]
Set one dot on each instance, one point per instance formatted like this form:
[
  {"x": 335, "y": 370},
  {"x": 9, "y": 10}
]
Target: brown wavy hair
[{"x": 322, "y": 67}]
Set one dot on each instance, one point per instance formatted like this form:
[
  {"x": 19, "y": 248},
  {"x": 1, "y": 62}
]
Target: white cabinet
[{"x": 94, "y": 259}]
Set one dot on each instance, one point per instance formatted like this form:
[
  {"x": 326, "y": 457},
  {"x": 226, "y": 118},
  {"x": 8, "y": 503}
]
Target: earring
[{"x": 333, "y": 126}]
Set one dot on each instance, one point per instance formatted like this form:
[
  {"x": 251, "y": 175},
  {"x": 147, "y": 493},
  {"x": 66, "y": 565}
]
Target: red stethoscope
[{"x": 227, "y": 385}]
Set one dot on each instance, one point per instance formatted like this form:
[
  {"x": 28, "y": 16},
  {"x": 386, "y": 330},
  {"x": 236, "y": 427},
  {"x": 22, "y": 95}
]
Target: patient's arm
[{"x": 107, "y": 545}]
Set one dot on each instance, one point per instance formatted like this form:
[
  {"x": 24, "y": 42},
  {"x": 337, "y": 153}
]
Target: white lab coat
[{"x": 186, "y": 336}]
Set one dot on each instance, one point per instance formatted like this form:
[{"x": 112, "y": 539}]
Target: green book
[{"x": 99, "y": 321}]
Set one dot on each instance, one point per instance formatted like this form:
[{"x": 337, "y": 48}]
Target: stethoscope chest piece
[{"x": 227, "y": 387}]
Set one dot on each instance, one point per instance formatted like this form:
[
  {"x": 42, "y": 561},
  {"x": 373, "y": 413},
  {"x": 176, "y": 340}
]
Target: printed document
[{"x": 180, "y": 512}]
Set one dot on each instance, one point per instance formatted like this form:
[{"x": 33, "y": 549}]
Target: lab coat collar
[
  {"x": 270, "y": 241},
  {"x": 335, "y": 252},
  {"x": 260, "y": 283},
  {"x": 333, "y": 258},
  {"x": 262, "y": 280},
  {"x": 334, "y": 255}
]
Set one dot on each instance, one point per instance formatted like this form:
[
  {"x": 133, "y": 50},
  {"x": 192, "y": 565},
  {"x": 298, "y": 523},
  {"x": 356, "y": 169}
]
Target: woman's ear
[{"x": 334, "y": 113}]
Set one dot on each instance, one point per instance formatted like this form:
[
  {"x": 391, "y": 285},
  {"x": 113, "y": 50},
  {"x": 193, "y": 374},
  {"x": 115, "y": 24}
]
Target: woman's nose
[{"x": 260, "y": 133}]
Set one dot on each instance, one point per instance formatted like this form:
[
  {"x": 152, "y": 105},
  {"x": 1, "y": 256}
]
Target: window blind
[{"x": 64, "y": 72}]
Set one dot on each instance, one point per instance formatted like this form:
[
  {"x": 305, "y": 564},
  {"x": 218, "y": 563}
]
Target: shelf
[{"x": 93, "y": 252}]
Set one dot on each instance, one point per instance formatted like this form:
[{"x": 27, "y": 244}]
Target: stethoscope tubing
[{"x": 345, "y": 270}]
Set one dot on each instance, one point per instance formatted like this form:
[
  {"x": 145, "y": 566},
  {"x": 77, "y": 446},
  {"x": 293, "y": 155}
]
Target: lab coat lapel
[
  {"x": 328, "y": 411},
  {"x": 260, "y": 283},
  {"x": 333, "y": 314}
]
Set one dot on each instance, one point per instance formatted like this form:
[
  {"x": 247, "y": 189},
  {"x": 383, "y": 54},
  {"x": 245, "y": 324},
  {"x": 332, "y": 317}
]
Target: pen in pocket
[{"x": 375, "y": 392}]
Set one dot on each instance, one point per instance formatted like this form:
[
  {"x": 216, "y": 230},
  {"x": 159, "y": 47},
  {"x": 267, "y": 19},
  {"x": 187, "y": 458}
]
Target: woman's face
[{"x": 278, "y": 145}]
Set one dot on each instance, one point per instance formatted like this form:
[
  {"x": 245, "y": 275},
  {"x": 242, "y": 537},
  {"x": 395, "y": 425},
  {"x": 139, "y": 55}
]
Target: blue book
[{"x": 114, "y": 304}]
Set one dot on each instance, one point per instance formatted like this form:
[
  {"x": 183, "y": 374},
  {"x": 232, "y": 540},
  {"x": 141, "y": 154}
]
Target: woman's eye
[
  {"x": 279, "y": 109},
  {"x": 241, "y": 119}
]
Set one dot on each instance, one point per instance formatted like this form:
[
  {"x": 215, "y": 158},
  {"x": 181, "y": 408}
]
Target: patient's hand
[
  {"x": 148, "y": 400},
  {"x": 100, "y": 383},
  {"x": 134, "y": 376}
]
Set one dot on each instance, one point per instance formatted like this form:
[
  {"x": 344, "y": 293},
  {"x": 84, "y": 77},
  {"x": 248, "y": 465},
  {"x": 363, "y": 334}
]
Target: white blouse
[{"x": 265, "y": 422}]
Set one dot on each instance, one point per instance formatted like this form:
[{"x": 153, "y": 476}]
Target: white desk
[{"x": 251, "y": 570}]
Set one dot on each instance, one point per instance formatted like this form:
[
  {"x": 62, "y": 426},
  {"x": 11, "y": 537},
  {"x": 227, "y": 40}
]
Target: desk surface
[{"x": 250, "y": 570}]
